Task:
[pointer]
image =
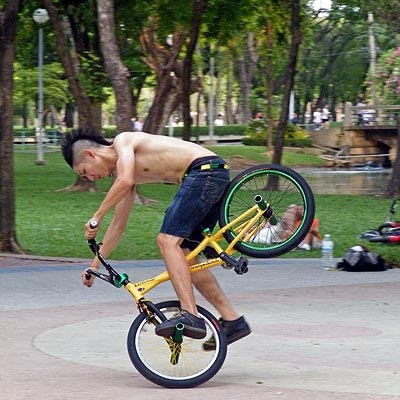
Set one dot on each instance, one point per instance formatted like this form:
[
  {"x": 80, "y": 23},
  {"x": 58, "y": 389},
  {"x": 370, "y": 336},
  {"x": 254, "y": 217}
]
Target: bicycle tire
[
  {"x": 150, "y": 354},
  {"x": 280, "y": 187}
]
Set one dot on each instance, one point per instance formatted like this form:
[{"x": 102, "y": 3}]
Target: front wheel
[
  {"x": 156, "y": 358},
  {"x": 276, "y": 232}
]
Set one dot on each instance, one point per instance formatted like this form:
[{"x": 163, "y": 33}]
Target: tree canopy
[{"x": 190, "y": 59}]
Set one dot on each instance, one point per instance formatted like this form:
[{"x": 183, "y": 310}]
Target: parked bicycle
[
  {"x": 253, "y": 223},
  {"x": 388, "y": 232}
]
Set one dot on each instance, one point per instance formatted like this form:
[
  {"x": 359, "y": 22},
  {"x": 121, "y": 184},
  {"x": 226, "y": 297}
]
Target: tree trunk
[
  {"x": 116, "y": 70},
  {"x": 89, "y": 112},
  {"x": 291, "y": 70},
  {"x": 168, "y": 70},
  {"x": 270, "y": 87},
  {"x": 8, "y": 26},
  {"x": 218, "y": 84},
  {"x": 166, "y": 100},
  {"x": 246, "y": 74},
  {"x": 198, "y": 9},
  {"x": 229, "y": 91},
  {"x": 80, "y": 185}
]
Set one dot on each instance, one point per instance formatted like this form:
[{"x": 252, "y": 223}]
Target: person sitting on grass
[
  {"x": 284, "y": 228},
  {"x": 292, "y": 218}
]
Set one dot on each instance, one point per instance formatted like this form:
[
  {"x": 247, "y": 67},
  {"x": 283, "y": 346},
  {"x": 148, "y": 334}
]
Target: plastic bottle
[{"x": 327, "y": 252}]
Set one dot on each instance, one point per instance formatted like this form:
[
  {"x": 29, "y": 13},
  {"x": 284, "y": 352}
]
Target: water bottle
[{"x": 327, "y": 252}]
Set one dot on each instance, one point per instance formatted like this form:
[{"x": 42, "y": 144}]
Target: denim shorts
[{"x": 196, "y": 204}]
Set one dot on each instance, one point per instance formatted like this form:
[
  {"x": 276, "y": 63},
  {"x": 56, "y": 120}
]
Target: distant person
[
  {"x": 368, "y": 116},
  {"x": 317, "y": 121},
  {"x": 286, "y": 226},
  {"x": 360, "y": 120},
  {"x": 138, "y": 125},
  {"x": 295, "y": 119},
  {"x": 219, "y": 121},
  {"x": 325, "y": 116},
  {"x": 292, "y": 217}
]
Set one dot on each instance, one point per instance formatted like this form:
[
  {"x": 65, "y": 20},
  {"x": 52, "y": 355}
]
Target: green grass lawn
[{"x": 50, "y": 221}]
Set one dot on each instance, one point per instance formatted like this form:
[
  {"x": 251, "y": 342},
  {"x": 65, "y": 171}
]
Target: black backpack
[{"x": 360, "y": 259}]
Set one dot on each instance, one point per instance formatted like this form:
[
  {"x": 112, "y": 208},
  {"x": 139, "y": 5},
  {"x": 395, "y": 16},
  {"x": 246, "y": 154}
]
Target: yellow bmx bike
[{"x": 253, "y": 222}]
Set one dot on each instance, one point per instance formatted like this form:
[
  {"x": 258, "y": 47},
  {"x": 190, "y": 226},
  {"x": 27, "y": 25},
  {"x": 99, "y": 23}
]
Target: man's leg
[
  {"x": 209, "y": 288},
  {"x": 235, "y": 327},
  {"x": 178, "y": 269},
  {"x": 181, "y": 280}
]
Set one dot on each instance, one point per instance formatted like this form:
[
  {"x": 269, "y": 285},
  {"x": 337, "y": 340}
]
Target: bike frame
[{"x": 244, "y": 232}]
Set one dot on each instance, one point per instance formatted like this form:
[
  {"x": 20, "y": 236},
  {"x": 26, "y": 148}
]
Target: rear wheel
[
  {"x": 273, "y": 234},
  {"x": 158, "y": 361}
]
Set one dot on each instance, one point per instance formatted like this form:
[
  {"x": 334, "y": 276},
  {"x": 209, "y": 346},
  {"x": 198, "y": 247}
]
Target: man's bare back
[{"x": 159, "y": 158}]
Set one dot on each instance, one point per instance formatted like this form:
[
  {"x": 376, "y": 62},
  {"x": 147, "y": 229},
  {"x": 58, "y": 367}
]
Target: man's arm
[
  {"x": 114, "y": 231},
  {"x": 122, "y": 185}
]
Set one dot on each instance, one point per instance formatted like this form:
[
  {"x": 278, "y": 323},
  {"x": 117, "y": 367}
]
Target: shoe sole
[
  {"x": 188, "y": 331},
  {"x": 232, "y": 338}
]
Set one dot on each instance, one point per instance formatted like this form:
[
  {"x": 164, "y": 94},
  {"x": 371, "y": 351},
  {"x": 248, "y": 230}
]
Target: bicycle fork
[{"x": 175, "y": 341}]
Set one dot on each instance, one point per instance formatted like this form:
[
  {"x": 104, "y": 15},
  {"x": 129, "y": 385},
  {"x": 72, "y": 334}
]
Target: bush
[
  {"x": 110, "y": 132},
  {"x": 224, "y": 130},
  {"x": 257, "y": 130}
]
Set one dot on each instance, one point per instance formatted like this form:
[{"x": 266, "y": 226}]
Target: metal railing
[{"x": 384, "y": 117}]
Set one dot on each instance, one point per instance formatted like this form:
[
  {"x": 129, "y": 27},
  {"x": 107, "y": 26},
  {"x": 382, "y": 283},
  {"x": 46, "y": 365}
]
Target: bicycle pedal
[
  {"x": 239, "y": 264},
  {"x": 242, "y": 265}
]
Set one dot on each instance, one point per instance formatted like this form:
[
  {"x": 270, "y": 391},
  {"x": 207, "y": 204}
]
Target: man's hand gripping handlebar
[{"x": 113, "y": 277}]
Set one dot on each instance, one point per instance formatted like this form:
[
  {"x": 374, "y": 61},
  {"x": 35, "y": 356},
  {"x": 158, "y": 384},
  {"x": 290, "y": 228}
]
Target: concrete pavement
[{"x": 317, "y": 335}]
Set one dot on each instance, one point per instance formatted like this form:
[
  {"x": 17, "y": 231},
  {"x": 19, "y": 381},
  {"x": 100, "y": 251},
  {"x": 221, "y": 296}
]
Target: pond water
[{"x": 347, "y": 181}]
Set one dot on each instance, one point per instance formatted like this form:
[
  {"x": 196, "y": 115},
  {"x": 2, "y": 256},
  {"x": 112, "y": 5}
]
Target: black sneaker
[
  {"x": 234, "y": 330},
  {"x": 193, "y": 327}
]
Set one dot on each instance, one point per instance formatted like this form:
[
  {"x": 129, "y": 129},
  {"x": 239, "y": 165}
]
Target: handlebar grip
[
  {"x": 93, "y": 224},
  {"x": 87, "y": 274}
]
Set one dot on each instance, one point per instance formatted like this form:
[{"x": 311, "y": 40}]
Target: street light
[{"x": 40, "y": 16}]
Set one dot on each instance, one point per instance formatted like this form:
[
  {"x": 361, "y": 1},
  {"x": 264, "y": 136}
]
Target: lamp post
[{"x": 40, "y": 16}]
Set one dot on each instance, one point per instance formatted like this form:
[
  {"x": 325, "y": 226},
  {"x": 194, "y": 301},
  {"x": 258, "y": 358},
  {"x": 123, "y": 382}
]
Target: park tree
[
  {"x": 77, "y": 41},
  {"x": 164, "y": 61},
  {"x": 116, "y": 70},
  {"x": 272, "y": 23},
  {"x": 198, "y": 8},
  {"x": 247, "y": 62},
  {"x": 296, "y": 37},
  {"x": 168, "y": 42},
  {"x": 8, "y": 29},
  {"x": 55, "y": 88}
]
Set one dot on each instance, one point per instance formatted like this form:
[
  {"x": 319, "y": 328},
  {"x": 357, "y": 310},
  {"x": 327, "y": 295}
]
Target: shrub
[
  {"x": 224, "y": 130},
  {"x": 257, "y": 130}
]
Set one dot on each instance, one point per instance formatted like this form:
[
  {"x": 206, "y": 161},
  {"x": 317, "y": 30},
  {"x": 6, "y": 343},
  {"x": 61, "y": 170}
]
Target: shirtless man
[{"x": 138, "y": 157}]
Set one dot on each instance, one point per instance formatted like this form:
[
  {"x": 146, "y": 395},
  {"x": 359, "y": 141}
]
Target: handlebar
[{"x": 114, "y": 278}]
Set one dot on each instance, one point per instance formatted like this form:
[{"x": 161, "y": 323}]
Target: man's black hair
[{"x": 79, "y": 134}]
